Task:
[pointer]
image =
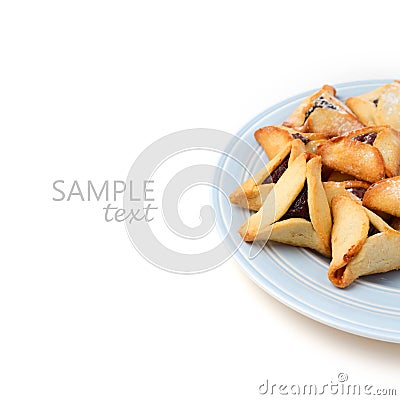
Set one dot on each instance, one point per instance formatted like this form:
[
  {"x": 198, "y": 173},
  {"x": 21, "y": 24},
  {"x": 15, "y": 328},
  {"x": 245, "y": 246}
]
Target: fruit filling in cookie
[
  {"x": 372, "y": 230},
  {"x": 320, "y": 102},
  {"x": 301, "y": 137},
  {"x": 367, "y": 138},
  {"x": 278, "y": 172},
  {"x": 252, "y": 193},
  {"x": 357, "y": 191},
  {"x": 299, "y": 208}
]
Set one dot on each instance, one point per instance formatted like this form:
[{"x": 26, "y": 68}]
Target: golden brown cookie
[
  {"x": 254, "y": 190},
  {"x": 322, "y": 112},
  {"x": 353, "y": 189},
  {"x": 362, "y": 243},
  {"x": 386, "y": 140},
  {"x": 354, "y": 158},
  {"x": 384, "y": 196},
  {"x": 274, "y": 138},
  {"x": 296, "y": 212},
  {"x": 379, "y": 107}
]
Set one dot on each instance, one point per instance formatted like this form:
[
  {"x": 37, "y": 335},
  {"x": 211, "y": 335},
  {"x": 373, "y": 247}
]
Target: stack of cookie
[{"x": 332, "y": 183}]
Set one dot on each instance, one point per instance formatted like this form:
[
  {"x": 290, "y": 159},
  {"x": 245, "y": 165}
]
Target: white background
[{"x": 85, "y": 87}]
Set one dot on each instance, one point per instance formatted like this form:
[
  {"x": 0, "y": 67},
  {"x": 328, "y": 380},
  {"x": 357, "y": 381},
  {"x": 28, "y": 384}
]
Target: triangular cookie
[
  {"x": 273, "y": 138},
  {"x": 381, "y": 106},
  {"x": 322, "y": 112},
  {"x": 362, "y": 243},
  {"x": 384, "y": 196},
  {"x": 252, "y": 192},
  {"x": 368, "y": 154},
  {"x": 296, "y": 212},
  {"x": 386, "y": 140},
  {"x": 353, "y": 189}
]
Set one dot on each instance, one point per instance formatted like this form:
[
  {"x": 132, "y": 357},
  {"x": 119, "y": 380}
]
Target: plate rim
[{"x": 262, "y": 281}]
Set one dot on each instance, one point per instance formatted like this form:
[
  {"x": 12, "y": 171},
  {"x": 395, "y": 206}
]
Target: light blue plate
[{"x": 298, "y": 277}]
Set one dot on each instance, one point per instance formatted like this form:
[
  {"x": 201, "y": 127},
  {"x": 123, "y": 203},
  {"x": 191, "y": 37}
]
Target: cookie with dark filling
[
  {"x": 322, "y": 112},
  {"x": 369, "y": 154},
  {"x": 379, "y": 107},
  {"x": 384, "y": 196},
  {"x": 296, "y": 211},
  {"x": 362, "y": 243},
  {"x": 352, "y": 189},
  {"x": 254, "y": 190},
  {"x": 387, "y": 141},
  {"x": 274, "y": 138}
]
